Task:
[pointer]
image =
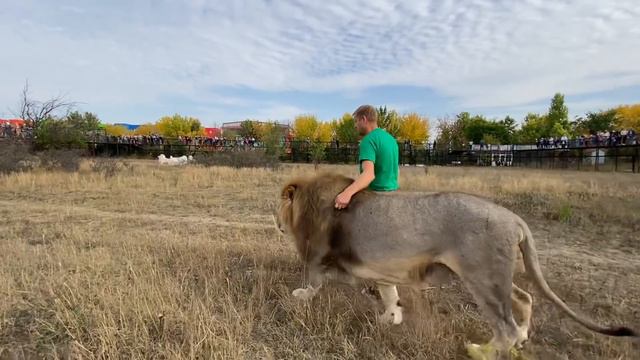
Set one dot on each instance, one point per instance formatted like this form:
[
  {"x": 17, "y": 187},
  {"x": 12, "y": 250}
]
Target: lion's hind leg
[
  {"x": 492, "y": 291},
  {"x": 522, "y": 303}
]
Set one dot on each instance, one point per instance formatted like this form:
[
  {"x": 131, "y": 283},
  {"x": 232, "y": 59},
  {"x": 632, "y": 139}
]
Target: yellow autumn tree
[
  {"x": 178, "y": 125},
  {"x": 146, "y": 129},
  {"x": 414, "y": 128},
  {"x": 324, "y": 132},
  {"x": 628, "y": 117},
  {"x": 115, "y": 130},
  {"x": 305, "y": 127}
]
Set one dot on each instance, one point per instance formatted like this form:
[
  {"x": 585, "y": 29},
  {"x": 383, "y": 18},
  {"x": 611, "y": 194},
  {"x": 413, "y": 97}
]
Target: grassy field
[{"x": 172, "y": 263}]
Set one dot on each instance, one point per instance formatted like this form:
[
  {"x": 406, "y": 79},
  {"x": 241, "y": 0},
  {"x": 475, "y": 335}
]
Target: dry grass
[{"x": 184, "y": 263}]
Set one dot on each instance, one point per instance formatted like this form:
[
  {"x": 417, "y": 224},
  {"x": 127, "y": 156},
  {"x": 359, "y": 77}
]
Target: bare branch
[{"x": 35, "y": 112}]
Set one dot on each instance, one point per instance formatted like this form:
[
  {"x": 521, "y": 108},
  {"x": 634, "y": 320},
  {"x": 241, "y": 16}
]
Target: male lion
[{"x": 401, "y": 238}]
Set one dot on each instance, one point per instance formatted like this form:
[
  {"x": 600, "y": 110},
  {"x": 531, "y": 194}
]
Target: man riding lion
[{"x": 399, "y": 238}]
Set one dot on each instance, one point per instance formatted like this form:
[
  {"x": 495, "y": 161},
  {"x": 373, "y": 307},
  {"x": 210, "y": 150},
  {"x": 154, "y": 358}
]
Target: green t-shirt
[{"x": 381, "y": 148}]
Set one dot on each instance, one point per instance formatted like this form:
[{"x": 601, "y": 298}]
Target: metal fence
[{"x": 623, "y": 158}]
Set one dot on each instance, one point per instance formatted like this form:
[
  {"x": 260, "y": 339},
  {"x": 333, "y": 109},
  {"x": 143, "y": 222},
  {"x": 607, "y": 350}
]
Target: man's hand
[
  {"x": 362, "y": 182},
  {"x": 343, "y": 199}
]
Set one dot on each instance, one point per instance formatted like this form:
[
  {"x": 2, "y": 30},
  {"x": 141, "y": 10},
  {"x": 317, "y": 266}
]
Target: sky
[{"x": 135, "y": 61}]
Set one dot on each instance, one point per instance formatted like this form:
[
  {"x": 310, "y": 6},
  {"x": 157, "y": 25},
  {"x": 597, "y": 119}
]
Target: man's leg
[
  {"x": 391, "y": 301},
  {"x": 314, "y": 278}
]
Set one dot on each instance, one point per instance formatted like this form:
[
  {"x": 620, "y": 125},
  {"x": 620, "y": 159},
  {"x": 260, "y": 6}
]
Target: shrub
[
  {"x": 109, "y": 167},
  {"x": 18, "y": 156},
  {"x": 238, "y": 159}
]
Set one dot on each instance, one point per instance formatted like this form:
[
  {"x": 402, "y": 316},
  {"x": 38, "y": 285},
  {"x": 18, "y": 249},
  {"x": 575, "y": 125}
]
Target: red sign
[
  {"x": 212, "y": 132},
  {"x": 14, "y": 122}
]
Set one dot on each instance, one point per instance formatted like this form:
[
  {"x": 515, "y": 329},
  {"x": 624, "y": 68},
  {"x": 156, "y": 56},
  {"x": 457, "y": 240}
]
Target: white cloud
[{"x": 481, "y": 53}]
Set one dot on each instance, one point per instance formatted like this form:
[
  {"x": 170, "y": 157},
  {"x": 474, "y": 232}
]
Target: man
[{"x": 378, "y": 157}]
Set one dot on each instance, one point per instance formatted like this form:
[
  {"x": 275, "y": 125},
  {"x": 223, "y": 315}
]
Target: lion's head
[{"x": 307, "y": 202}]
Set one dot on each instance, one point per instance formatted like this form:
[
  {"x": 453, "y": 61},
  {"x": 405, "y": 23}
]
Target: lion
[{"x": 402, "y": 238}]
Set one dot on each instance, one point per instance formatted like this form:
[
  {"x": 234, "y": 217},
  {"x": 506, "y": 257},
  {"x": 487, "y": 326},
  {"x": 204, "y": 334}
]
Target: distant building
[
  {"x": 212, "y": 132},
  {"x": 129, "y": 127}
]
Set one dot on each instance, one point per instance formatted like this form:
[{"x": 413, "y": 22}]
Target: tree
[
  {"x": 116, "y": 130},
  {"x": 509, "y": 125},
  {"x": 533, "y": 128},
  {"x": 83, "y": 122},
  {"x": 146, "y": 129},
  {"x": 628, "y": 117},
  {"x": 345, "y": 129},
  {"x": 177, "y": 125},
  {"x": 249, "y": 129},
  {"x": 389, "y": 120},
  {"x": 323, "y": 133},
  {"x": 595, "y": 122},
  {"x": 271, "y": 136},
  {"x": 317, "y": 153},
  {"x": 414, "y": 128},
  {"x": 478, "y": 129},
  {"x": 35, "y": 112},
  {"x": 558, "y": 114},
  {"x": 451, "y": 134},
  {"x": 305, "y": 127},
  {"x": 71, "y": 131}
]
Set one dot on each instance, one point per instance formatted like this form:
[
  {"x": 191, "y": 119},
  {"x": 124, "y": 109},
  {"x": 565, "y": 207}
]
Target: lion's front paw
[
  {"x": 303, "y": 294},
  {"x": 392, "y": 316}
]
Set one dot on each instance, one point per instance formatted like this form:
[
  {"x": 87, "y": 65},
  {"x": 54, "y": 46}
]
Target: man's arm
[{"x": 361, "y": 183}]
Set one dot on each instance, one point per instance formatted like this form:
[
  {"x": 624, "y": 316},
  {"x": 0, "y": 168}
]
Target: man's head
[{"x": 366, "y": 119}]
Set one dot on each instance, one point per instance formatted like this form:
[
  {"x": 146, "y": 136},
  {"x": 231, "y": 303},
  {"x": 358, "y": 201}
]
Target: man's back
[{"x": 381, "y": 148}]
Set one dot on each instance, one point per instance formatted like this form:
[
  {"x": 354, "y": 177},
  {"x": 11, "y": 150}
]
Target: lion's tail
[{"x": 532, "y": 265}]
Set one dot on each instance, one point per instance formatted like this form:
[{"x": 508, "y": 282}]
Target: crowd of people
[
  {"x": 196, "y": 141},
  {"x": 612, "y": 138},
  {"x": 15, "y": 132},
  {"x": 609, "y": 138}
]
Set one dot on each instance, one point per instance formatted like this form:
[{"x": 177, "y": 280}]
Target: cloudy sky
[{"x": 136, "y": 60}]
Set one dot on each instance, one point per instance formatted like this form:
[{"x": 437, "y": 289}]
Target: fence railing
[{"x": 623, "y": 158}]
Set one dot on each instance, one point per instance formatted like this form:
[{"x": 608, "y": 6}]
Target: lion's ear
[{"x": 289, "y": 190}]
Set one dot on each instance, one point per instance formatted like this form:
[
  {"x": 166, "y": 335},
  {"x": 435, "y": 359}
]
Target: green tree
[
  {"x": 317, "y": 150},
  {"x": 477, "y": 128},
  {"x": 510, "y": 127},
  {"x": 345, "y": 129},
  {"x": 271, "y": 136},
  {"x": 83, "y": 122},
  {"x": 533, "y": 128},
  {"x": 595, "y": 122},
  {"x": 451, "y": 134},
  {"x": 249, "y": 128},
  {"x": 389, "y": 120},
  {"x": 557, "y": 117},
  {"x": 72, "y": 130}
]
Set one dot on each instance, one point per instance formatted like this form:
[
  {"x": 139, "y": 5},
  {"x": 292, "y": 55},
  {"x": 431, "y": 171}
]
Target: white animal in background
[
  {"x": 162, "y": 160},
  {"x": 182, "y": 160}
]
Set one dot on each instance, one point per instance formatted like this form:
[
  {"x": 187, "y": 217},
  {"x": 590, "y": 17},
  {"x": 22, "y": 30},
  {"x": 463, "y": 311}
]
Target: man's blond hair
[{"x": 367, "y": 111}]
